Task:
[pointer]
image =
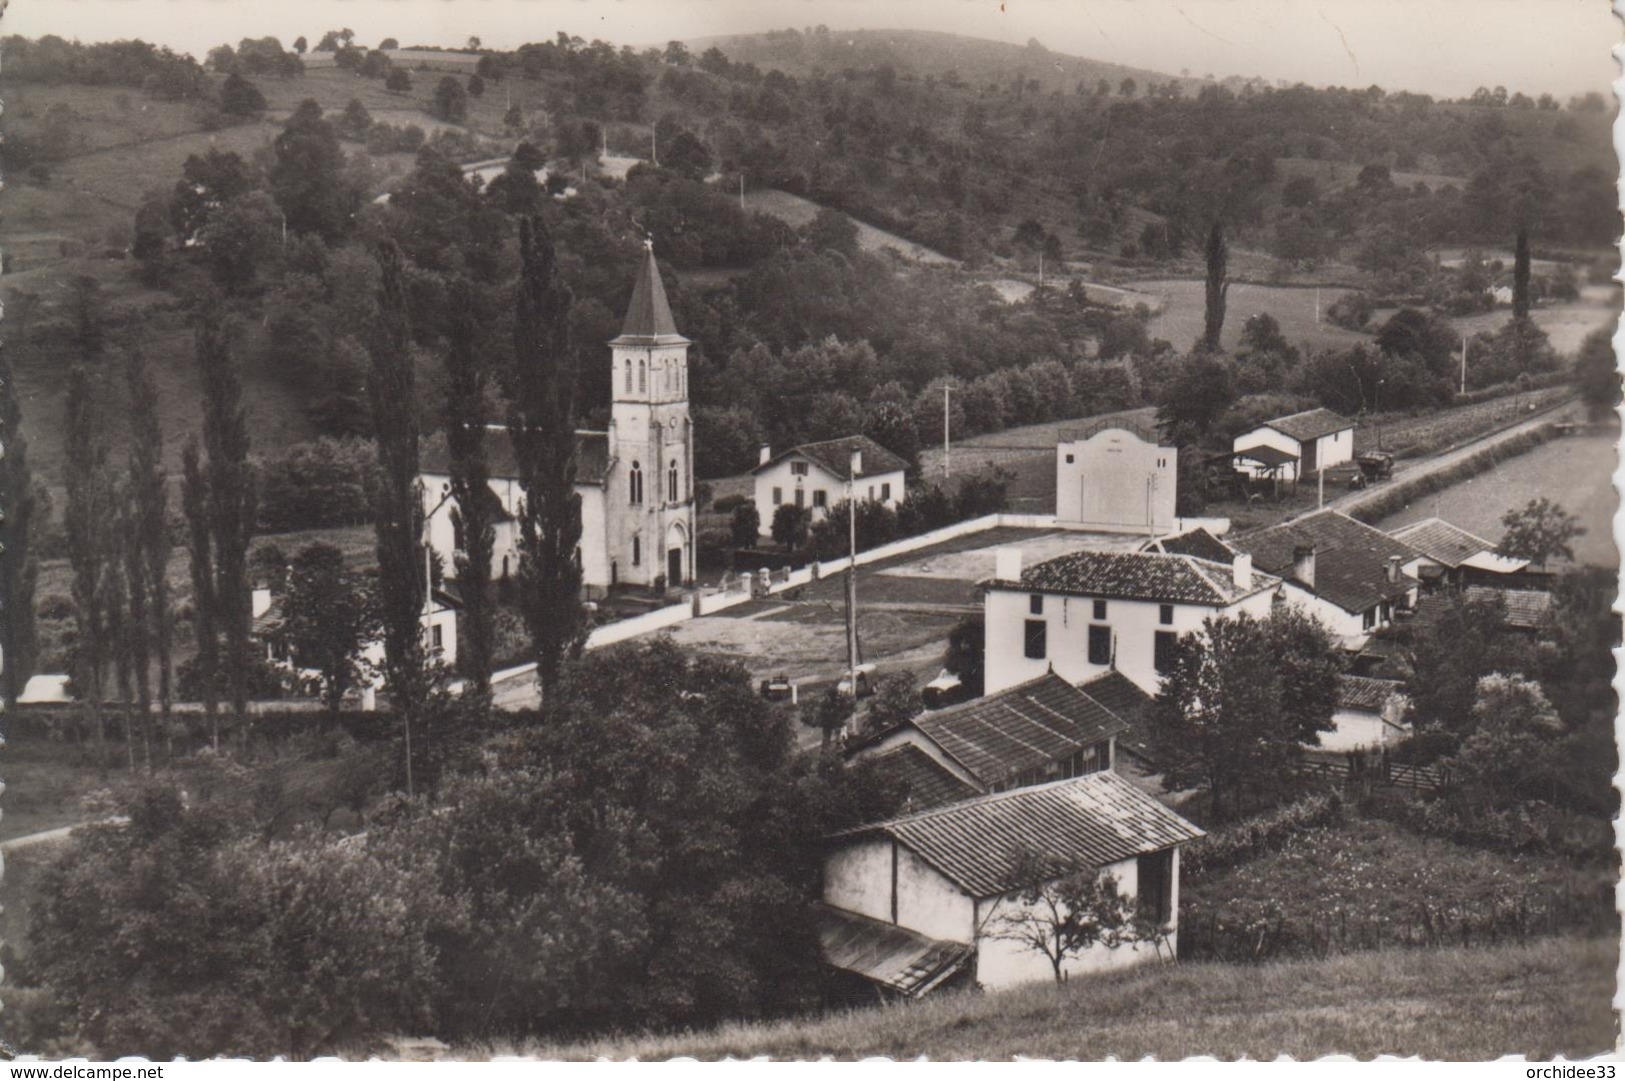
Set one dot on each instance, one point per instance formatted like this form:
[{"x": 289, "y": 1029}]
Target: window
[
  {"x": 1035, "y": 604},
  {"x": 1165, "y": 614},
  {"x": 671, "y": 482},
  {"x": 885, "y": 492},
  {"x": 1369, "y": 620},
  {"x": 629, "y": 377},
  {"x": 437, "y": 636},
  {"x": 871, "y": 493},
  {"x": 1164, "y": 649},
  {"x": 1069, "y": 459},
  {"x": 1100, "y": 645},
  {"x": 637, "y": 549},
  {"x": 798, "y": 469},
  {"x": 820, "y": 498},
  {"x": 634, "y": 484},
  {"x": 778, "y": 497},
  {"x": 1100, "y": 609},
  {"x": 1155, "y": 874},
  {"x": 643, "y": 377},
  {"x": 1036, "y": 644},
  {"x": 801, "y": 497}
]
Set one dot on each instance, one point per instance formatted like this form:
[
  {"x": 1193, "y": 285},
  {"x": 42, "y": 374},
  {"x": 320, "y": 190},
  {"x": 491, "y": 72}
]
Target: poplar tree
[
  {"x": 1217, "y": 289},
  {"x": 147, "y": 546},
  {"x": 88, "y": 522},
  {"x": 200, "y": 547},
  {"x": 541, "y": 422},
  {"x": 474, "y": 504},
  {"x": 19, "y": 566}
]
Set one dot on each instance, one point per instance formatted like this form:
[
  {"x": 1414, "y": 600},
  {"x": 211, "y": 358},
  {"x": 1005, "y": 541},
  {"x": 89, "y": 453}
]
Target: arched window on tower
[
  {"x": 634, "y": 483},
  {"x": 671, "y": 482},
  {"x": 643, "y": 377},
  {"x": 629, "y": 375}
]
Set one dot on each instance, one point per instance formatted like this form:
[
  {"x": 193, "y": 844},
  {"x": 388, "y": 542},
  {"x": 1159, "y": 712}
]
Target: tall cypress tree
[
  {"x": 200, "y": 546},
  {"x": 541, "y": 422},
  {"x": 1520, "y": 275},
  {"x": 19, "y": 566},
  {"x": 147, "y": 545},
  {"x": 398, "y": 501},
  {"x": 474, "y": 512},
  {"x": 88, "y": 523},
  {"x": 1218, "y": 288}
]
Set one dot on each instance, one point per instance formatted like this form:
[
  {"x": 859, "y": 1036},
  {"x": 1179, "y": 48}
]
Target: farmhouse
[
  {"x": 1369, "y": 714},
  {"x": 816, "y": 475},
  {"x": 1453, "y": 556},
  {"x": 1038, "y": 731},
  {"x": 1114, "y": 480},
  {"x": 1085, "y": 613},
  {"x": 1296, "y": 445},
  {"x": 919, "y": 901},
  {"x": 1347, "y": 574},
  {"x": 635, "y": 480}
]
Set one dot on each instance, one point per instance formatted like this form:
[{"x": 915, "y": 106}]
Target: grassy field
[
  {"x": 1428, "y": 433},
  {"x": 1542, "y": 999},
  {"x": 1183, "y": 303},
  {"x": 796, "y": 211}
]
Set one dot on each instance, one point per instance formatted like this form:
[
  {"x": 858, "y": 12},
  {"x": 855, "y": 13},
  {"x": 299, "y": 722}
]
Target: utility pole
[
  {"x": 852, "y": 585},
  {"x": 741, "y": 191},
  {"x": 1464, "y": 364},
  {"x": 1040, "y": 270},
  {"x": 654, "y": 147},
  {"x": 1317, "y": 305},
  {"x": 946, "y": 390}
]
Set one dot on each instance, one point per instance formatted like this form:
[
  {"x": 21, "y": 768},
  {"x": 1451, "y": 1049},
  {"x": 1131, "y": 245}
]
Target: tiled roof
[
  {"x": 1351, "y": 557},
  {"x": 1365, "y": 693},
  {"x": 1084, "y": 822},
  {"x": 1129, "y": 703},
  {"x": 1141, "y": 576},
  {"x": 1526, "y": 608},
  {"x": 834, "y": 456},
  {"x": 930, "y": 784},
  {"x": 1442, "y": 542},
  {"x": 1197, "y": 542},
  {"x": 648, "y": 316},
  {"x": 592, "y": 455},
  {"x": 1310, "y": 424},
  {"x": 893, "y": 956},
  {"x": 1024, "y": 727}
]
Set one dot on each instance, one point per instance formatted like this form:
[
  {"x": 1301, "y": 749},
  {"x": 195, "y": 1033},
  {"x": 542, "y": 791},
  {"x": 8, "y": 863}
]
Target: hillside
[{"x": 1541, "y": 999}]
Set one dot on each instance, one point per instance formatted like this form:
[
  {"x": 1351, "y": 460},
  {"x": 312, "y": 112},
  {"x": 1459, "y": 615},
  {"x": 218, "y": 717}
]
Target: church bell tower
[{"x": 649, "y": 491}]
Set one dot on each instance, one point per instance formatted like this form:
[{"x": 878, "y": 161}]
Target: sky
[{"x": 1442, "y": 47}]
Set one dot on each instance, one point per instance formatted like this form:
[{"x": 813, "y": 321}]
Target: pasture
[
  {"x": 1180, "y": 305},
  {"x": 795, "y": 211}
]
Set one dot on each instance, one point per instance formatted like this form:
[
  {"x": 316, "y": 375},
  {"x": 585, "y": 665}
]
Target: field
[
  {"x": 1565, "y": 324},
  {"x": 1543, "y": 999},
  {"x": 1429, "y": 433},
  {"x": 1576, "y": 472},
  {"x": 1183, "y": 302},
  {"x": 796, "y": 211}
]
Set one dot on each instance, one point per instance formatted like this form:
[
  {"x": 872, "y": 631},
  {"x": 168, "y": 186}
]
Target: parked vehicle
[
  {"x": 946, "y": 690},
  {"x": 779, "y": 689},
  {"x": 865, "y": 676}
]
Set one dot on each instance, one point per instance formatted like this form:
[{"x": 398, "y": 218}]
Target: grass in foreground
[{"x": 1547, "y": 998}]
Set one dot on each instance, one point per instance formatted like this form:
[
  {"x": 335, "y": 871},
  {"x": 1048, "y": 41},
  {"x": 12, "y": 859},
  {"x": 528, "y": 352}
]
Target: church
[{"x": 636, "y": 480}]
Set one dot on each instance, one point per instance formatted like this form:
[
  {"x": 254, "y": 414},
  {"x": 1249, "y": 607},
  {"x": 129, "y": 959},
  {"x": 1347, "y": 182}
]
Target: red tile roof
[
  {"x": 1526, "y": 608},
  {"x": 1085, "y": 822},
  {"x": 930, "y": 783},
  {"x": 1310, "y": 424},
  {"x": 1366, "y": 694},
  {"x": 1019, "y": 729},
  {"x": 1442, "y": 542},
  {"x": 1351, "y": 558},
  {"x": 1127, "y": 701},
  {"x": 834, "y": 456},
  {"x": 1143, "y": 576},
  {"x": 1197, "y": 542}
]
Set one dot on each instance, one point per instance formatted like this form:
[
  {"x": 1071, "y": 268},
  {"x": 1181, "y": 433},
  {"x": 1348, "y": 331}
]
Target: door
[{"x": 674, "y": 567}]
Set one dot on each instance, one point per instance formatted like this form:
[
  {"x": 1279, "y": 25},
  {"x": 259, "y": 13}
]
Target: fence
[{"x": 1357, "y": 768}]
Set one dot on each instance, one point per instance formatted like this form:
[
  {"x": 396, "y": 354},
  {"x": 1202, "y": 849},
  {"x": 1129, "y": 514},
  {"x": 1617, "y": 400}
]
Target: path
[{"x": 28, "y": 840}]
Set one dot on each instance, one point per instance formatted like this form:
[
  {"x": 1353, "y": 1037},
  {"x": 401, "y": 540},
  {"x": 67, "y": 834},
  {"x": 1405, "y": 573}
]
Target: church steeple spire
[{"x": 648, "y": 316}]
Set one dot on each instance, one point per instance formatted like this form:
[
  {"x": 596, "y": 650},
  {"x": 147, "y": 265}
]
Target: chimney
[
  {"x": 261, "y": 601},
  {"x": 1241, "y": 569},
  {"x": 1393, "y": 568},
  {"x": 765, "y": 455},
  {"x": 1007, "y": 564},
  {"x": 1303, "y": 564}
]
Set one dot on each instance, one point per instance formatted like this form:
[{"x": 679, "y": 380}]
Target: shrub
[
  {"x": 1251, "y": 838},
  {"x": 317, "y": 485}
]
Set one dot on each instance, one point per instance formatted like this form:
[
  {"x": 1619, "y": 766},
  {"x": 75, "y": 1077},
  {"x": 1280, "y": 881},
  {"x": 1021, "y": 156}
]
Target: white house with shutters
[
  {"x": 816, "y": 475},
  {"x": 635, "y": 480}
]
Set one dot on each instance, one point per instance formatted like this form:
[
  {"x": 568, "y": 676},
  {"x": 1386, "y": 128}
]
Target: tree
[
  {"x": 398, "y": 81},
  {"x": 241, "y": 237},
  {"x": 1217, "y": 288},
  {"x": 476, "y": 86},
  {"x": 90, "y": 509},
  {"x": 891, "y": 424},
  {"x": 1194, "y": 400},
  {"x": 745, "y": 527},
  {"x": 895, "y": 702},
  {"x": 147, "y": 547},
  {"x": 1539, "y": 532},
  {"x": 239, "y": 97},
  {"x": 1520, "y": 274},
  {"x": 831, "y": 230},
  {"x": 1509, "y": 752},
  {"x": 389, "y": 44},
  {"x": 200, "y": 549},
  {"x": 450, "y": 102},
  {"x": 19, "y": 567},
  {"x": 397, "y": 501},
  {"x": 1062, "y": 912},
  {"x": 541, "y": 423},
  {"x": 790, "y": 526},
  {"x": 329, "y": 617},
  {"x": 688, "y": 157},
  {"x": 300, "y": 46},
  {"x": 307, "y": 176},
  {"x": 474, "y": 506},
  {"x": 966, "y": 654},
  {"x": 207, "y": 183},
  {"x": 1596, "y": 371}
]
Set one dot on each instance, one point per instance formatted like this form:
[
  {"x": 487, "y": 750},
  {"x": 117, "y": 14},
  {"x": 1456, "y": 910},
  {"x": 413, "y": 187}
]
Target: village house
[
  {"x": 635, "y": 480},
  {"x": 1452, "y": 556},
  {"x": 1039, "y": 731},
  {"x": 1085, "y": 613},
  {"x": 1370, "y": 714},
  {"x": 918, "y": 902},
  {"x": 1295, "y": 446},
  {"x": 1114, "y": 480},
  {"x": 1526, "y": 611},
  {"x": 815, "y": 476},
  {"x": 1350, "y": 576}
]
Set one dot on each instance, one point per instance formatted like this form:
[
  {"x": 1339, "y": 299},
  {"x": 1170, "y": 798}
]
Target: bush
[
  {"x": 1351, "y": 311},
  {"x": 317, "y": 485},
  {"x": 1251, "y": 838},
  {"x": 731, "y": 502}
]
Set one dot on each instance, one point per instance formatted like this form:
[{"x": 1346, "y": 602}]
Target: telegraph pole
[
  {"x": 946, "y": 390},
  {"x": 1464, "y": 364},
  {"x": 852, "y": 586}
]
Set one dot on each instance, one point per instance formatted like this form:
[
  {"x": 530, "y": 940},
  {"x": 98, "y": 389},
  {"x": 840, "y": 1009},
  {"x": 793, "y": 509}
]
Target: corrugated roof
[
  {"x": 1526, "y": 608},
  {"x": 834, "y": 456},
  {"x": 1310, "y": 424},
  {"x": 930, "y": 784},
  {"x": 1115, "y": 691},
  {"x": 1442, "y": 542},
  {"x": 592, "y": 455},
  {"x": 892, "y": 956},
  {"x": 1197, "y": 542},
  {"x": 1143, "y": 576},
  {"x": 1084, "y": 822},
  {"x": 648, "y": 316},
  {"x": 1021, "y": 728},
  {"x": 1351, "y": 558},
  {"x": 1366, "y": 693}
]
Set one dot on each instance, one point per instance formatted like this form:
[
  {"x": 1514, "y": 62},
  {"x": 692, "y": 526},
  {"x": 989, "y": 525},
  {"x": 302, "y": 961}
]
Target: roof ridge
[{"x": 1025, "y": 791}]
